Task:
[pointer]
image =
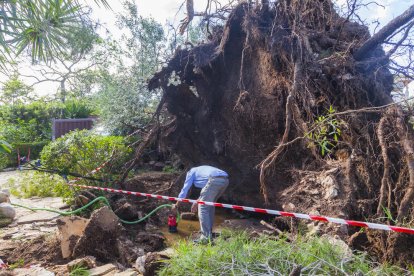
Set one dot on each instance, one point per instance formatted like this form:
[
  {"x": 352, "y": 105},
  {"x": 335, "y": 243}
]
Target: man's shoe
[{"x": 202, "y": 241}]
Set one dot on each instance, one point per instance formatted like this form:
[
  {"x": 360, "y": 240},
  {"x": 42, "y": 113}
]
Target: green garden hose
[{"x": 101, "y": 198}]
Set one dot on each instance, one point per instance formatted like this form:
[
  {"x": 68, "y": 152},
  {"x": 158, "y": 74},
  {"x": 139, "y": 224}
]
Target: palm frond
[
  {"x": 40, "y": 27},
  {"x": 103, "y": 2}
]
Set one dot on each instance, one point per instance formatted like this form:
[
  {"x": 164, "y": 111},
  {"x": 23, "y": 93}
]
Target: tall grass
[{"x": 237, "y": 254}]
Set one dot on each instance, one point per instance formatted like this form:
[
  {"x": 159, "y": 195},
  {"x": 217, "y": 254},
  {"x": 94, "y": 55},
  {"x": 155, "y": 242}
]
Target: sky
[{"x": 166, "y": 10}]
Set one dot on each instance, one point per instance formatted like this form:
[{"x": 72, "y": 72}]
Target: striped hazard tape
[{"x": 257, "y": 210}]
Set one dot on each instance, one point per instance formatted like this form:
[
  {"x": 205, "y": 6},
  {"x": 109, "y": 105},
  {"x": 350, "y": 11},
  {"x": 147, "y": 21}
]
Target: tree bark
[
  {"x": 63, "y": 90},
  {"x": 384, "y": 33}
]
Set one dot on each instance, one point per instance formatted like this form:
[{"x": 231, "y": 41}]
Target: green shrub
[
  {"x": 238, "y": 254},
  {"x": 42, "y": 185},
  {"x": 74, "y": 108},
  {"x": 82, "y": 151},
  {"x": 27, "y": 123},
  {"x": 4, "y": 160},
  {"x": 30, "y": 125},
  {"x": 77, "y": 152}
]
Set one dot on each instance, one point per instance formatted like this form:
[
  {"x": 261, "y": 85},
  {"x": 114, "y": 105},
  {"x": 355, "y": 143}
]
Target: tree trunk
[
  {"x": 379, "y": 38},
  {"x": 63, "y": 90}
]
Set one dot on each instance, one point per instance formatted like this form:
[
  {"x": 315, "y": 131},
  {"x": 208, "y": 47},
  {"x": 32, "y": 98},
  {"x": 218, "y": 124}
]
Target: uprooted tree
[{"x": 289, "y": 98}]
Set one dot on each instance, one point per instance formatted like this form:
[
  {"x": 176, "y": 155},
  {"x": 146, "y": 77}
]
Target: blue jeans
[{"x": 214, "y": 188}]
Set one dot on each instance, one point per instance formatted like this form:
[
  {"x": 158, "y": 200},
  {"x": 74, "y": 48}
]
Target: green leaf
[{"x": 5, "y": 147}]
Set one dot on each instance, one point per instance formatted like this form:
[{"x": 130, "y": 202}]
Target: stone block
[
  {"x": 70, "y": 229},
  {"x": 7, "y": 211},
  {"x": 102, "y": 270}
]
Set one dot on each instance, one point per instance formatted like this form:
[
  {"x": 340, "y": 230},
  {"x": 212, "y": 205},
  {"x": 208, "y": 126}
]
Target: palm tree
[{"x": 40, "y": 27}]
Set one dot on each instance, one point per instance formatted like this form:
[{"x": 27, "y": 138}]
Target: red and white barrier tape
[{"x": 259, "y": 210}]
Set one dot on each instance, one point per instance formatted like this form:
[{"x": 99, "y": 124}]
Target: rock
[
  {"x": 70, "y": 229},
  {"x": 150, "y": 241},
  {"x": 5, "y": 221},
  {"x": 128, "y": 272},
  {"x": 127, "y": 211},
  {"x": 289, "y": 207},
  {"x": 343, "y": 229},
  {"x": 151, "y": 262},
  {"x": 7, "y": 211},
  {"x": 168, "y": 252},
  {"x": 87, "y": 262},
  {"x": 330, "y": 187},
  {"x": 331, "y": 192},
  {"x": 314, "y": 212},
  {"x": 33, "y": 271},
  {"x": 313, "y": 230},
  {"x": 140, "y": 264},
  {"x": 336, "y": 241},
  {"x": 128, "y": 250},
  {"x": 102, "y": 270},
  {"x": 105, "y": 219},
  {"x": 100, "y": 238},
  {"x": 6, "y": 191},
  {"x": 327, "y": 181},
  {"x": 4, "y": 197}
]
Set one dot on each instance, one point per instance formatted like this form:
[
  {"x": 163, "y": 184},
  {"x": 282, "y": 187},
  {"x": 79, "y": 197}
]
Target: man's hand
[
  {"x": 175, "y": 206},
  {"x": 194, "y": 207}
]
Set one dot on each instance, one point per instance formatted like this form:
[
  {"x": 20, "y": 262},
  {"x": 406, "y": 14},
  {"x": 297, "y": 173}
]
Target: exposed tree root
[
  {"x": 407, "y": 139},
  {"x": 268, "y": 77},
  {"x": 385, "y": 182}
]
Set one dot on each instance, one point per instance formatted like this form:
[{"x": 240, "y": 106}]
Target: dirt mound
[
  {"x": 151, "y": 182},
  {"x": 263, "y": 100},
  {"x": 107, "y": 240},
  {"x": 43, "y": 250},
  {"x": 148, "y": 182},
  {"x": 100, "y": 237}
]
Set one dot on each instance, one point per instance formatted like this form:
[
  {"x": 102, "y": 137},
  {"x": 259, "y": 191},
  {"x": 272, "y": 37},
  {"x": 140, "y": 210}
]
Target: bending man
[{"x": 212, "y": 182}]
